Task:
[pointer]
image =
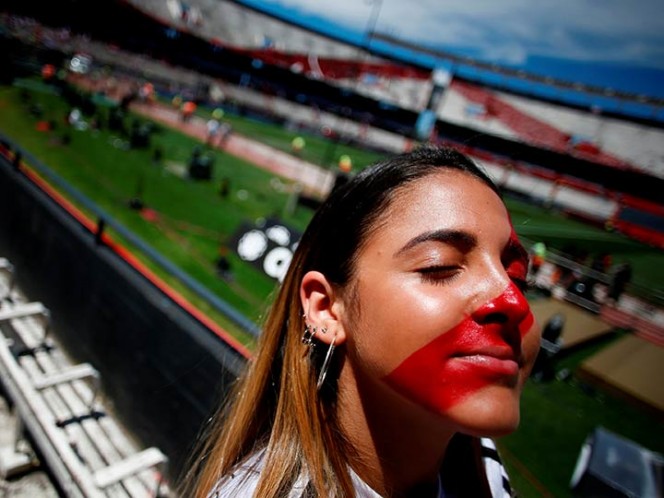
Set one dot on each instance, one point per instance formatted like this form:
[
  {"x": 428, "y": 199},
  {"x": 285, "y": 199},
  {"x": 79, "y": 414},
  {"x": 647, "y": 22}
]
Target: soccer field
[{"x": 190, "y": 222}]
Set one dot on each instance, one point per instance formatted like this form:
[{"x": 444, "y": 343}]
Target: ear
[{"x": 323, "y": 307}]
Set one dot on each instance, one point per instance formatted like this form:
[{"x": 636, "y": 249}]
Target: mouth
[
  {"x": 491, "y": 364},
  {"x": 460, "y": 362},
  {"x": 498, "y": 360}
]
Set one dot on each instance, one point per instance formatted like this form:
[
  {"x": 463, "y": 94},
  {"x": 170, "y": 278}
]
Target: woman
[{"x": 399, "y": 338}]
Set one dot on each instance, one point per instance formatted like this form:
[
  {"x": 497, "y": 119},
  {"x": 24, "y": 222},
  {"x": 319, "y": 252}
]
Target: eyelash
[{"x": 439, "y": 275}]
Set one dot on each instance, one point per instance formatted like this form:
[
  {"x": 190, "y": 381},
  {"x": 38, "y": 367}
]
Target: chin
[{"x": 487, "y": 416}]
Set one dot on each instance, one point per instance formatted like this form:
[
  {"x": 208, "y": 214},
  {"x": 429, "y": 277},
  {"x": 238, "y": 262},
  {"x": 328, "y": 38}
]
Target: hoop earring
[
  {"x": 308, "y": 335},
  {"x": 326, "y": 364}
]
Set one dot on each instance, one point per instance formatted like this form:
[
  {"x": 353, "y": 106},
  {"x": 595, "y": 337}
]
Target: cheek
[
  {"x": 432, "y": 378},
  {"x": 443, "y": 373},
  {"x": 392, "y": 322},
  {"x": 531, "y": 342},
  {"x": 527, "y": 327}
]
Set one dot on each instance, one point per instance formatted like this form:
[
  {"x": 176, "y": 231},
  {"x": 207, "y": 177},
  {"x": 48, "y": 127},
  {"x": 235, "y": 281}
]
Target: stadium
[{"x": 137, "y": 228}]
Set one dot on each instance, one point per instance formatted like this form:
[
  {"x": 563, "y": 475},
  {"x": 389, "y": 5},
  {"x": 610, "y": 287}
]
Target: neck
[{"x": 399, "y": 447}]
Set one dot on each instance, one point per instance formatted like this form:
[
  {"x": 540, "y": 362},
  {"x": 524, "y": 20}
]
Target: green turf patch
[{"x": 191, "y": 223}]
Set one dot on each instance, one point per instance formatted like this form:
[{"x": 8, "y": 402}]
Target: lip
[
  {"x": 459, "y": 363},
  {"x": 507, "y": 366},
  {"x": 500, "y": 352},
  {"x": 500, "y": 359}
]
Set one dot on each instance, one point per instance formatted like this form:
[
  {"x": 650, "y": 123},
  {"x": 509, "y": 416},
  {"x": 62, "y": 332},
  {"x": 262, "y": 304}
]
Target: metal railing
[
  {"x": 651, "y": 297},
  {"x": 104, "y": 220}
]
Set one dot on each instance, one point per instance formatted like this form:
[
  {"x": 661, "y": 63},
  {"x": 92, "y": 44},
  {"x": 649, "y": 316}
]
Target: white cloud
[{"x": 510, "y": 30}]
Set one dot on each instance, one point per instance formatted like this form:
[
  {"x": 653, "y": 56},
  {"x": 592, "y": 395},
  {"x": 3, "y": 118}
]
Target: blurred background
[{"x": 159, "y": 160}]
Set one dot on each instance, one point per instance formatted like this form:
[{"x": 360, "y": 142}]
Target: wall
[{"x": 162, "y": 368}]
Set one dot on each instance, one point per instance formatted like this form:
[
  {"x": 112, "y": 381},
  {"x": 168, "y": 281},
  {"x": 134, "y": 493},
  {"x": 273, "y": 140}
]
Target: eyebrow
[{"x": 458, "y": 238}]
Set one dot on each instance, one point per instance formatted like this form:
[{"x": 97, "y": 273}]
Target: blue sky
[{"x": 613, "y": 43}]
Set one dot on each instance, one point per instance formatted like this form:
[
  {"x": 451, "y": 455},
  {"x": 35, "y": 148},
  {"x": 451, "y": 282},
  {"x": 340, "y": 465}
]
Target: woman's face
[{"x": 440, "y": 320}]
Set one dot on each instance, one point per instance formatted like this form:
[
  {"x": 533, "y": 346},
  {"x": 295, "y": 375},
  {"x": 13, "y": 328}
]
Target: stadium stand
[
  {"x": 376, "y": 124},
  {"x": 230, "y": 23},
  {"x": 71, "y": 428},
  {"x": 613, "y": 142},
  {"x": 587, "y": 133}
]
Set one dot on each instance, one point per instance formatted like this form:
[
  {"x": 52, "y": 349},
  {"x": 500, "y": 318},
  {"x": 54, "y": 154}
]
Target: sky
[{"x": 611, "y": 43}]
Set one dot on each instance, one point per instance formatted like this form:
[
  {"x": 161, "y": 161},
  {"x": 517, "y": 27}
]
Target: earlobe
[{"x": 322, "y": 308}]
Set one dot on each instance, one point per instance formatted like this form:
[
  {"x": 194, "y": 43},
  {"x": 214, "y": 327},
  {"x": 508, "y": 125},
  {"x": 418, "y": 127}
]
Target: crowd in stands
[{"x": 582, "y": 133}]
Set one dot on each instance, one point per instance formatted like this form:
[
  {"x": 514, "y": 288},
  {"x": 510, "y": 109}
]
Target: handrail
[
  {"x": 652, "y": 296},
  {"x": 104, "y": 219}
]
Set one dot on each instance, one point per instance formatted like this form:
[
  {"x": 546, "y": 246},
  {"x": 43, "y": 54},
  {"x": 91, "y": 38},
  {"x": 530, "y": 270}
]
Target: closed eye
[{"x": 440, "y": 274}]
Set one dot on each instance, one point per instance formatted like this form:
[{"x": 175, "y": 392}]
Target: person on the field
[{"x": 621, "y": 276}]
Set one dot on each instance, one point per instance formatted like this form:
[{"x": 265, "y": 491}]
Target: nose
[{"x": 509, "y": 308}]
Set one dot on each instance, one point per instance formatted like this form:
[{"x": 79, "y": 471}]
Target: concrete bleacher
[
  {"x": 597, "y": 205},
  {"x": 639, "y": 145},
  {"x": 547, "y": 192},
  {"x": 611, "y": 141},
  {"x": 615, "y": 142},
  {"x": 571, "y": 198},
  {"x": 229, "y": 24},
  {"x": 405, "y": 93},
  {"x": 526, "y": 127},
  {"x": 58, "y": 404},
  {"x": 607, "y": 140},
  {"x": 233, "y": 25},
  {"x": 456, "y": 108}
]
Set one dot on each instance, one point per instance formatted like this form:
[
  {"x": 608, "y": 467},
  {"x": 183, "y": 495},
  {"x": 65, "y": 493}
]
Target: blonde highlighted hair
[{"x": 275, "y": 406}]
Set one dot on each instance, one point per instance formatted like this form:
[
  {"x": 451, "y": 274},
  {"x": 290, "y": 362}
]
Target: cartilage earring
[
  {"x": 326, "y": 364},
  {"x": 308, "y": 336}
]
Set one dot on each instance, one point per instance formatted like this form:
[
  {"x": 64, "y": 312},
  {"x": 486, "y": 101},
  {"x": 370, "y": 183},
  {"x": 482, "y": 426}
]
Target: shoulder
[
  {"x": 495, "y": 471},
  {"x": 243, "y": 481}
]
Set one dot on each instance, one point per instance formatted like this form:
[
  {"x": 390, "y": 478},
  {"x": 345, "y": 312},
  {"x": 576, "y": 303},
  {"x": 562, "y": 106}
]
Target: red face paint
[
  {"x": 482, "y": 350},
  {"x": 518, "y": 258}
]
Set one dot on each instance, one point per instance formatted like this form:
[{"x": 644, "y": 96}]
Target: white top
[{"x": 242, "y": 483}]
